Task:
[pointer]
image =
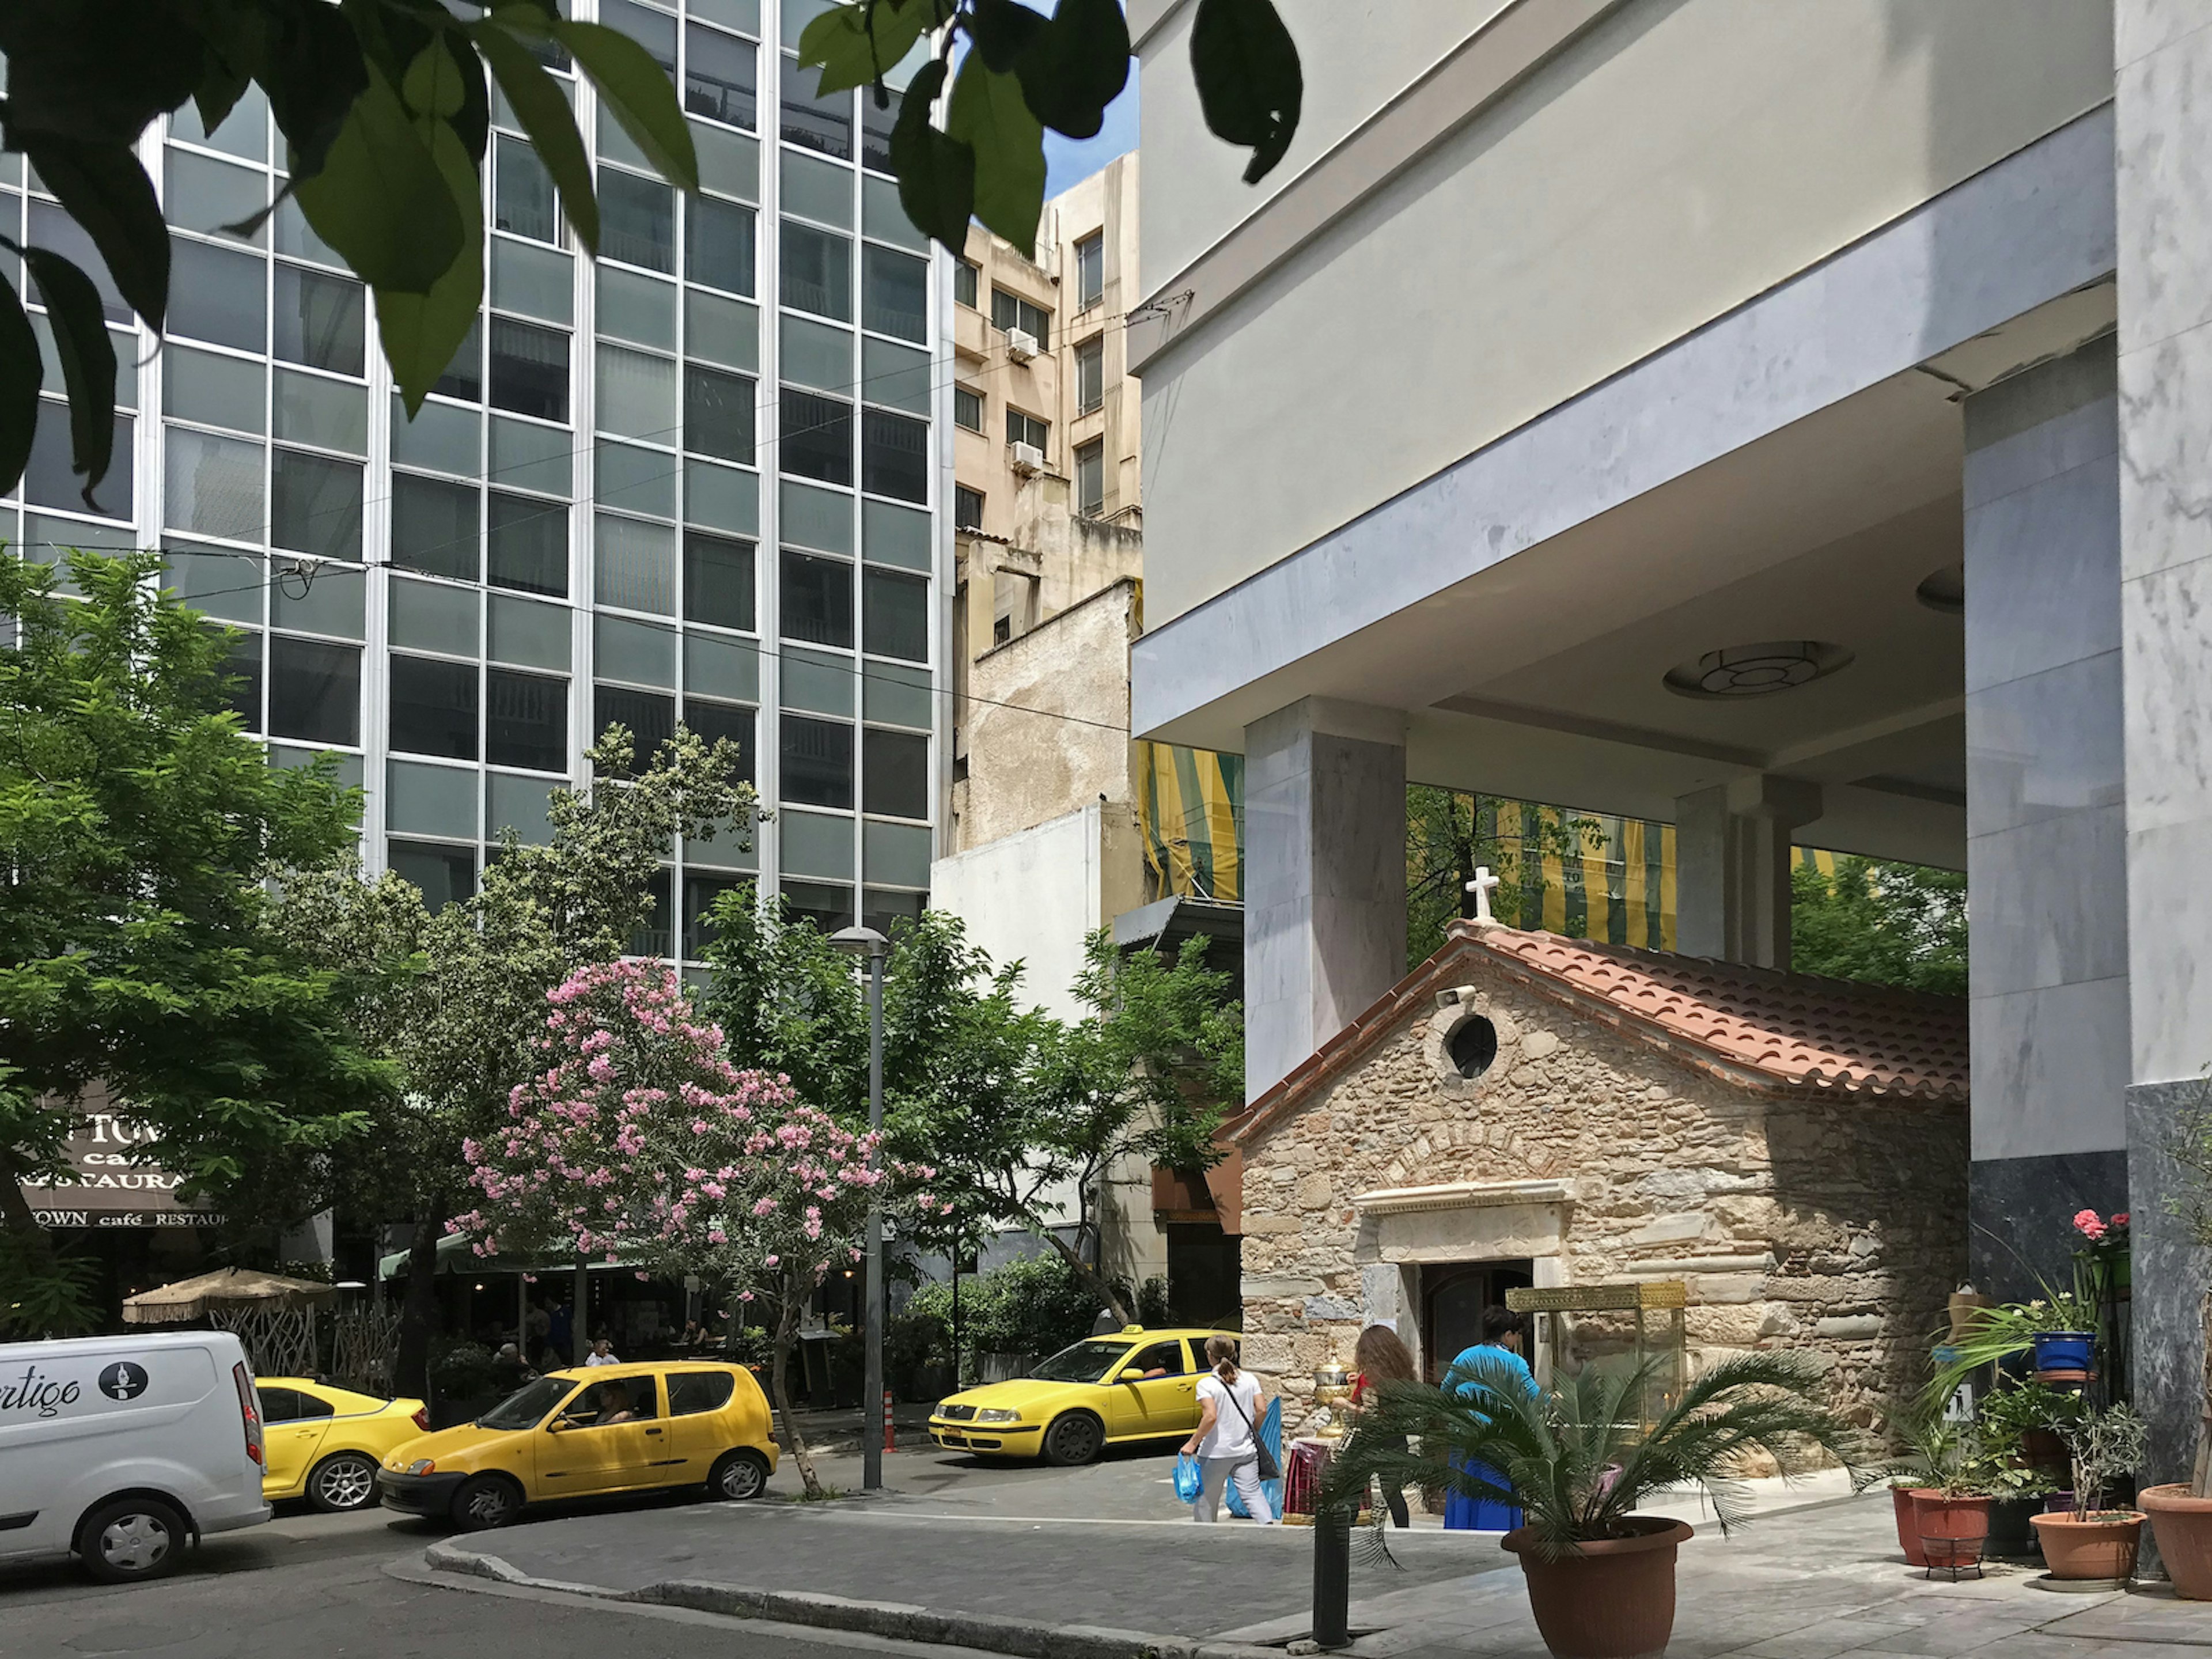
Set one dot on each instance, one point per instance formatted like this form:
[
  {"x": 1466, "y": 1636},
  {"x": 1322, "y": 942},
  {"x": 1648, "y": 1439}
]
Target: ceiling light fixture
[
  {"x": 1757, "y": 671},
  {"x": 1945, "y": 589}
]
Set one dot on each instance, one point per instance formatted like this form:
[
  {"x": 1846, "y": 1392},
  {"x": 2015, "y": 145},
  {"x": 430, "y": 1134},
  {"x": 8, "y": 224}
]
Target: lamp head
[{"x": 860, "y": 942}]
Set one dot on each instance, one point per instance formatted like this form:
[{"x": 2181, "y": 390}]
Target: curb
[{"x": 897, "y": 1621}]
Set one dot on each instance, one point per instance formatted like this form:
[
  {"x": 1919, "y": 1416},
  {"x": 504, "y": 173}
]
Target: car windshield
[
  {"x": 524, "y": 1407},
  {"x": 1086, "y": 1362}
]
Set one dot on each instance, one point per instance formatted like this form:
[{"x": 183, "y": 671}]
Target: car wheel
[
  {"x": 739, "y": 1475},
  {"x": 1072, "y": 1439},
  {"x": 343, "y": 1482},
  {"x": 131, "y": 1540},
  {"x": 486, "y": 1501}
]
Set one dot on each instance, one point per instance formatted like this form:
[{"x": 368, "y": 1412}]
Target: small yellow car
[
  {"x": 1109, "y": 1390},
  {"x": 587, "y": 1432},
  {"x": 324, "y": 1443}
]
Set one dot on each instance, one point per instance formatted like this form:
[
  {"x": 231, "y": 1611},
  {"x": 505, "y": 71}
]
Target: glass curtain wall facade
[{"x": 705, "y": 479}]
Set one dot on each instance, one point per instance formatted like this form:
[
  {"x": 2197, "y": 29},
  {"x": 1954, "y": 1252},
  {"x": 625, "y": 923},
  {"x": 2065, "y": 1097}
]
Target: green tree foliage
[
  {"x": 1038, "y": 1304},
  {"x": 385, "y": 108},
  {"x": 1450, "y": 836},
  {"x": 1891, "y": 924},
  {"x": 455, "y": 999},
  {"x": 138, "y": 828}
]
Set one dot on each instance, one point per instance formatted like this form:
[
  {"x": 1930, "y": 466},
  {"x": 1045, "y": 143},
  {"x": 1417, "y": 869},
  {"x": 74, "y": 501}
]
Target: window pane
[
  {"x": 721, "y": 74},
  {"x": 434, "y": 706},
  {"x": 968, "y": 408},
  {"x": 1091, "y": 373},
  {"x": 241, "y": 666},
  {"x": 529, "y": 544},
  {"x": 718, "y": 413},
  {"x": 649, "y": 716},
  {"x": 714, "y": 721},
  {"x": 1026, "y": 429},
  {"x": 894, "y": 455},
  {"x": 818, "y": 600},
  {"x": 214, "y": 484},
  {"x": 634, "y": 565},
  {"x": 695, "y": 1391},
  {"x": 52, "y": 227},
  {"x": 875, "y": 132},
  {"x": 824, "y": 124},
  {"x": 522, "y": 193},
  {"x": 207, "y": 195},
  {"x": 818, "y": 761},
  {"x": 244, "y": 131},
  {"x": 314, "y": 505},
  {"x": 433, "y": 526},
  {"x": 529, "y": 369},
  {"x": 211, "y": 389},
  {"x": 48, "y": 481},
  {"x": 817, "y": 271},
  {"x": 636, "y": 394},
  {"x": 718, "y": 581},
  {"x": 637, "y": 220},
  {"x": 446, "y": 875},
  {"x": 654, "y": 31},
  {"x": 462, "y": 377},
  {"x": 825, "y": 904},
  {"x": 525, "y": 721},
  {"x": 314, "y": 690},
  {"x": 963, "y": 283},
  {"x": 816, "y": 440},
  {"x": 897, "y": 783},
  {"x": 1089, "y": 270},
  {"x": 718, "y": 245},
  {"x": 897, "y": 294},
  {"x": 1091, "y": 478},
  {"x": 894, "y": 620},
  {"x": 216, "y": 295},
  {"x": 967, "y": 508}
]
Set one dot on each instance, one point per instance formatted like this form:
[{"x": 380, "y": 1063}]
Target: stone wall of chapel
[{"x": 1852, "y": 1204}]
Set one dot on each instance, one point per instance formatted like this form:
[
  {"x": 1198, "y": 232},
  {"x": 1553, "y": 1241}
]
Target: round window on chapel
[{"x": 1473, "y": 1046}]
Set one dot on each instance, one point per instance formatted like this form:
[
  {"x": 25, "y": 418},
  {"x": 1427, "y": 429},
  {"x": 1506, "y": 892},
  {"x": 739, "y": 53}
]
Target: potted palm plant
[
  {"x": 2094, "y": 1541},
  {"x": 1579, "y": 1463}
]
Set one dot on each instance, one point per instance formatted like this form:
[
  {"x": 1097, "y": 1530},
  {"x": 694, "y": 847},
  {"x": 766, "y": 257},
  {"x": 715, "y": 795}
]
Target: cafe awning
[{"x": 454, "y": 1256}]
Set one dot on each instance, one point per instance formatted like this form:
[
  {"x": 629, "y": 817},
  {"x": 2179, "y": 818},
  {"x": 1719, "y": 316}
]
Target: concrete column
[
  {"x": 1732, "y": 867},
  {"x": 2162, "y": 133},
  {"x": 2045, "y": 870},
  {"x": 1325, "y": 876}
]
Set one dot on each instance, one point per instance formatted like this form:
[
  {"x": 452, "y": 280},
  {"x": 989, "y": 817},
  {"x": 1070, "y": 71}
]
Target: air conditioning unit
[
  {"x": 1021, "y": 345},
  {"x": 1028, "y": 458}
]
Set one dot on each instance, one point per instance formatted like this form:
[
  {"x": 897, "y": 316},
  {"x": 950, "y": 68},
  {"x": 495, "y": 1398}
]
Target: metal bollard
[
  {"x": 890, "y": 1440},
  {"x": 1332, "y": 1575}
]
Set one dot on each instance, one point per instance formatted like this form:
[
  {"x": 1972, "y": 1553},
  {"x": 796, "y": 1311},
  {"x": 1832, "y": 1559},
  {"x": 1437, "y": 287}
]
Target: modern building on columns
[{"x": 1785, "y": 422}]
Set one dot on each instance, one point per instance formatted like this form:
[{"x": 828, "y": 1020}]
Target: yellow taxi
[
  {"x": 587, "y": 1432},
  {"x": 1139, "y": 1385},
  {"x": 324, "y": 1443}
]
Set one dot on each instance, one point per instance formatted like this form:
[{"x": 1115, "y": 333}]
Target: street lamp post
[{"x": 868, "y": 943}]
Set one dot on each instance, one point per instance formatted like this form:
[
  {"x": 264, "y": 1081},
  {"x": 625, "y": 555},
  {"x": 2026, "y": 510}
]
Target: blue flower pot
[{"x": 2063, "y": 1351}]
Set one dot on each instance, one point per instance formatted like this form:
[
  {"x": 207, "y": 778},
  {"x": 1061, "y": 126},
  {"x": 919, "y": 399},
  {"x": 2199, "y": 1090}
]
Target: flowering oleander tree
[{"x": 638, "y": 1141}]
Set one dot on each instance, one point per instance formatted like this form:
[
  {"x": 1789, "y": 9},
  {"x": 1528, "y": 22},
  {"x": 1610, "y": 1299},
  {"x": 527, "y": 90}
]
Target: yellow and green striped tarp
[
  {"x": 1190, "y": 807},
  {"x": 1589, "y": 875}
]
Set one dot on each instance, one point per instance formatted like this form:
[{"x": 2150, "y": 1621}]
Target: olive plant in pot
[
  {"x": 1578, "y": 1463},
  {"x": 2021, "y": 1458},
  {"x": 2094, "y": 1541}
]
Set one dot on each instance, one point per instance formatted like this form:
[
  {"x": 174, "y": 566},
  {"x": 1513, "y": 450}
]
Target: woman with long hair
[
  {"x": 1227, "y": 1440},
  {"x": 1382, "y": 1357}
]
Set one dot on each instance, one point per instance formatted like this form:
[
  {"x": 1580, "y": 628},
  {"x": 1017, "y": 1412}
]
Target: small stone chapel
[{"x": 1529, "y": 1110}]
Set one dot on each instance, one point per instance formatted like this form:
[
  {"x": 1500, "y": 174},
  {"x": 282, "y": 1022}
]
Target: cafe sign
[{"x": 107, "y": 1185}]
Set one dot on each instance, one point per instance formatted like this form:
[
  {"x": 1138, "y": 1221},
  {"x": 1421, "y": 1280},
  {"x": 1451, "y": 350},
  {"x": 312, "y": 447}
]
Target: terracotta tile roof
[{"x": 1765, "y": 1029}]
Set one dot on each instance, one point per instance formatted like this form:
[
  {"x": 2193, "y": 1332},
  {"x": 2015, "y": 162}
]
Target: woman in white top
[{"x": 1225, "y": 1444}]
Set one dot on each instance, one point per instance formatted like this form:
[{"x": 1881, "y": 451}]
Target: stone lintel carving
[{"x": 1461, "y": 1195}]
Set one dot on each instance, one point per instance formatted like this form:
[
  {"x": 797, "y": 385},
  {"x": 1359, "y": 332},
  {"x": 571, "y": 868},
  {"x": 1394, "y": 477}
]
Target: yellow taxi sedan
[
  {"x": 587, "y": 1433},
  {"x": 1110, "y": 1391},
  {"x": 324, "y": 1443}
]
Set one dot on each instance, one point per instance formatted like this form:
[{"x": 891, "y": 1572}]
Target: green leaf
[
  {"x": 1077, "y": 65},
  {"x": 1249, "y": 84},
  {"x": 21, "y": 373},
  {"x": 855, "y": 44},
  {"x": 638, "y": 93},
  {"x": 422, "y": 332},
  {"x": 433, "y": 85},
  {"x": 87, "y": 351},
  {"x": 1003, "y": 30},
  {"x": 314, "y": 73},
  {"x": 108, "y": 193},
  {"x": 992, "y": 118},
  {"x": 936, "y": 173},
  {"x": 382, "y": 200},
  {"x": 96, "y": 71},
  {"x": 546, "y": 116}
]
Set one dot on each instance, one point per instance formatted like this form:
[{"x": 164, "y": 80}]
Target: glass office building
[{"x": 704, "y": 478}]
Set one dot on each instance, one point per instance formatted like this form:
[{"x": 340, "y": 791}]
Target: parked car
[
  {"x": 582, "y": 1433},
  {"x": 122, "y": 1449},
  {"x": 324, "y": 1444},
  {"x": 1138, "y": 1386}
]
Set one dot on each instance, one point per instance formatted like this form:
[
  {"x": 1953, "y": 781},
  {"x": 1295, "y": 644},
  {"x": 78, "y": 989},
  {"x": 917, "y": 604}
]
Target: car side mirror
[
  {"x": 1132, "y": 1374},
  {"x": 563, "y": 1424}
]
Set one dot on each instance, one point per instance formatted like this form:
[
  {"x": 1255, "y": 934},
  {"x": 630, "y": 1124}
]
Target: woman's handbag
[
  {"x": 1269, "y": 1468},
  {"x": 1188, "y": 1478}
]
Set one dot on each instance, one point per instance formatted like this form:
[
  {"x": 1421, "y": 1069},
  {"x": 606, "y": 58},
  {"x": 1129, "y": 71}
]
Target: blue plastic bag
[
  {"x": 1271, "y": 1436},
  {"x": 1188, "y": 1477}
]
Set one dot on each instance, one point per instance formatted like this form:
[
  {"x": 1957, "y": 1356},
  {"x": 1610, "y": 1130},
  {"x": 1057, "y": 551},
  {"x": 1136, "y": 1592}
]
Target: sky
[{"x": 1070, "y": 162}]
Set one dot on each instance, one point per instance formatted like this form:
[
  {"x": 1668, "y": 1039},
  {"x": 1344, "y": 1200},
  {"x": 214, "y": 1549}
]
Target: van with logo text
[{"x": 121, "y": 1450}]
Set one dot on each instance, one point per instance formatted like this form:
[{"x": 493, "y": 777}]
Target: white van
[{"x": 120, "y": 1449}]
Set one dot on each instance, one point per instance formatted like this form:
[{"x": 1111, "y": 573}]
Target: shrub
[{"x": 1035, "y": 1305}]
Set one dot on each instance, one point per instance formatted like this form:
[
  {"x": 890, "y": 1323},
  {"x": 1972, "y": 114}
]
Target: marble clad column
[
  {"x": 2046, "y": 870},
  {"x": 1732, "y": 867},
  {"x": 2162, "y": 94},
  {"x": 1324, "y": 876}
]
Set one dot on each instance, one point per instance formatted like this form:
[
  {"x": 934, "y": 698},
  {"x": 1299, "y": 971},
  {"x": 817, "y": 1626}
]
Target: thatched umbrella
[{"x": 225, "y": 1290}]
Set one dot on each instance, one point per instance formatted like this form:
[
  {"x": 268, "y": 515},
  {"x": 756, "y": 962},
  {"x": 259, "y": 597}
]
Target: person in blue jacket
[{"x": 1505, "y": 1333}]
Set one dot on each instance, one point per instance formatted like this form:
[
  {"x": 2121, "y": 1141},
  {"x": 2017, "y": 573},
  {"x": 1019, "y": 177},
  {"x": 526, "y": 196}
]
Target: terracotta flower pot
[
  {"x": 1953, "y": 1531},
  {"x": 2102, "y": 1546},
  {"x": 1908, "y": 1530},
  {"x": 1614, "y": 1599},
  {"x": 2183, "y": 1526}
]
